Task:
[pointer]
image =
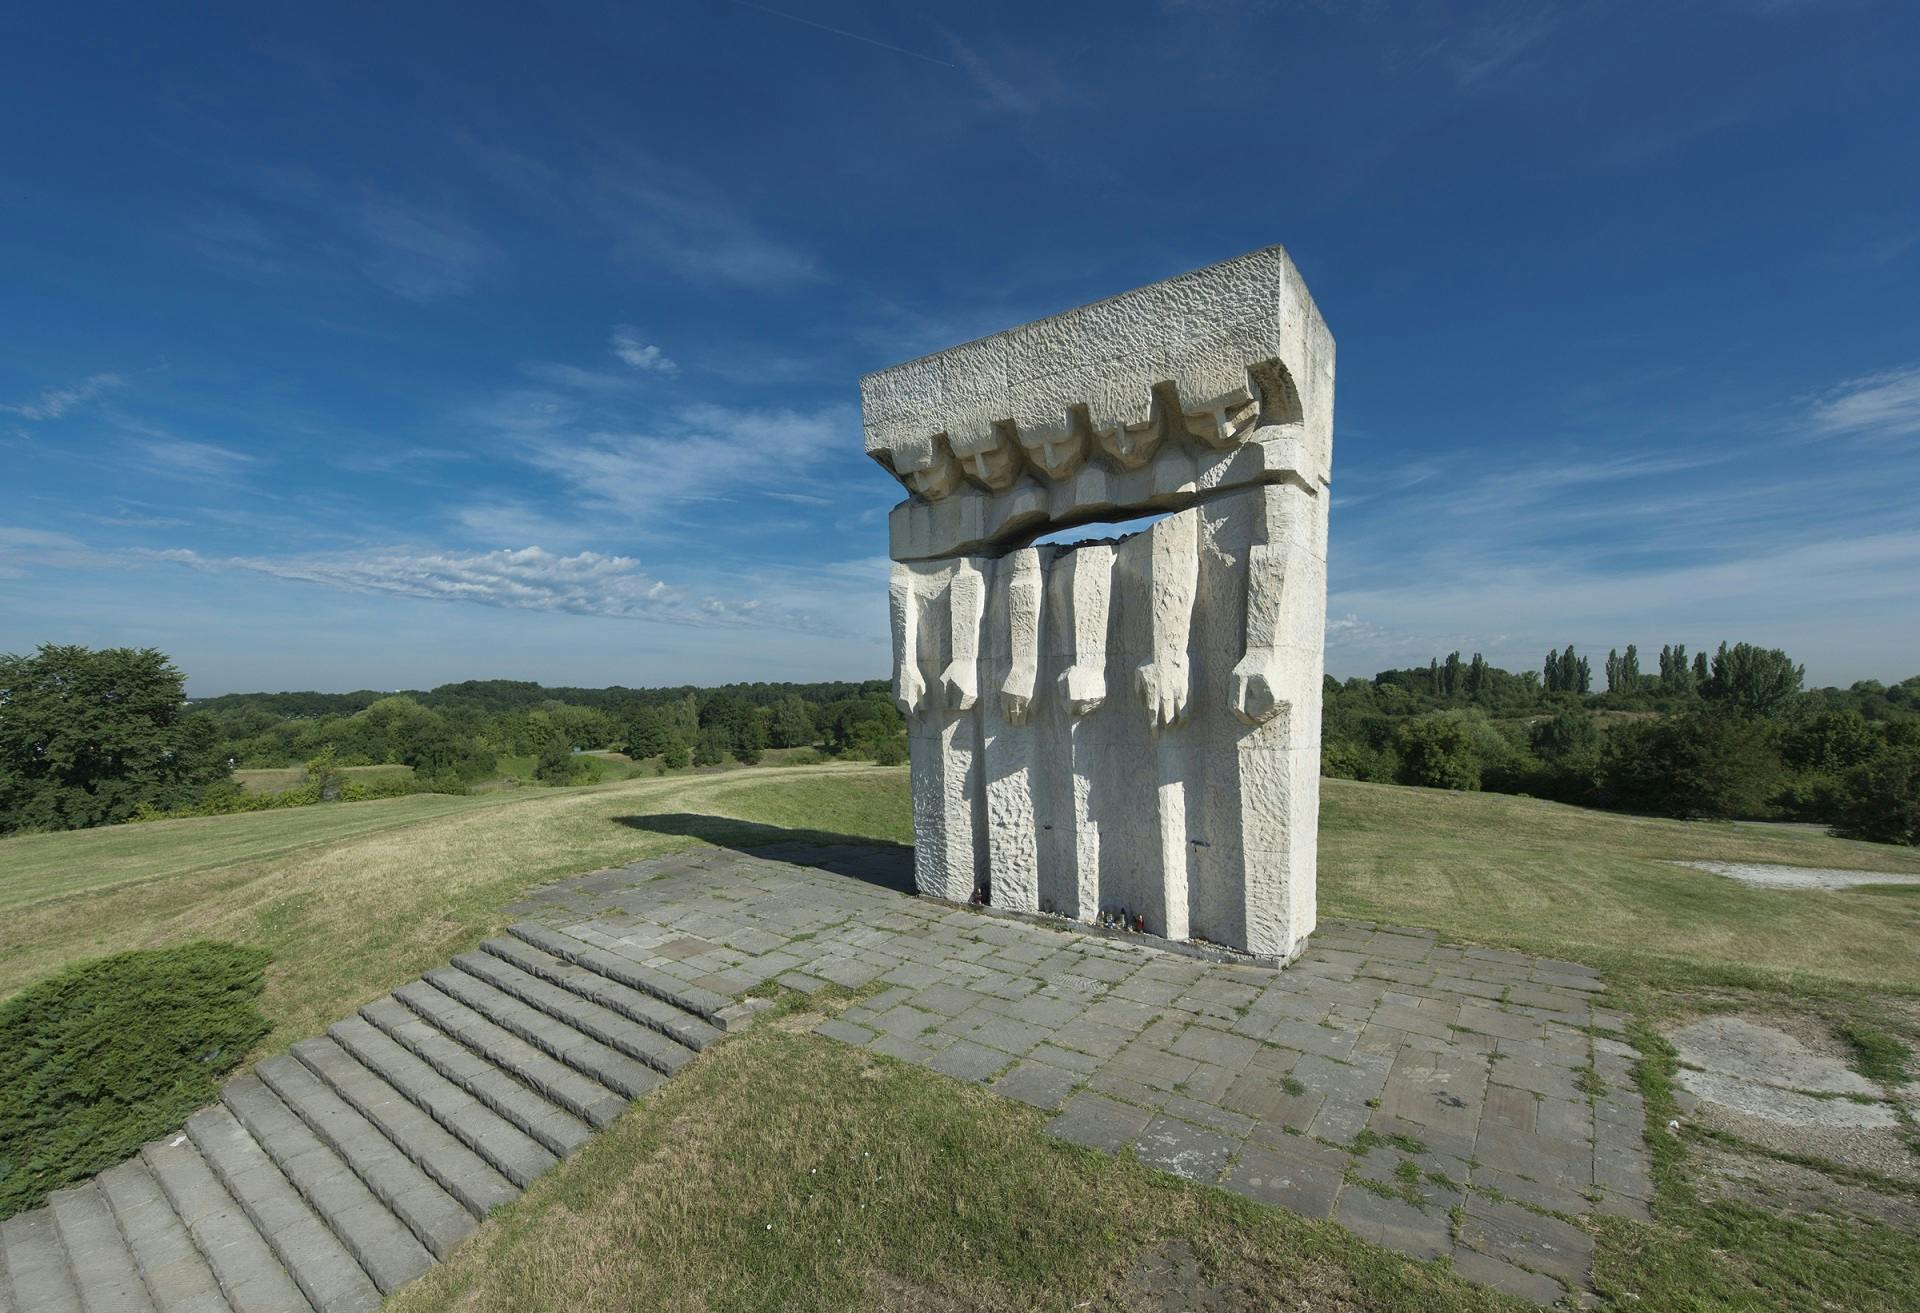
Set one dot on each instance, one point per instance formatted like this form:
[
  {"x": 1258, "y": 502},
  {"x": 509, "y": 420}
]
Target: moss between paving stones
[{"x": 113, "y": 1052}]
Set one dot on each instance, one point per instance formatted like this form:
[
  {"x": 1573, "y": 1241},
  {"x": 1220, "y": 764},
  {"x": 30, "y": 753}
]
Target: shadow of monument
[{"x": 873, "y": 861}]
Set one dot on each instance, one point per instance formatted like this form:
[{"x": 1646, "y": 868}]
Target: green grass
[
  {"x": 352, "y": 899},
  {"x": 1876, "y": 1054},
  {"x": 974, "y": 1207},
  {"x": 111, "y": 1053},
  {"x": 1597, "y": 887},
  {"x": 786, "y": 1173}
]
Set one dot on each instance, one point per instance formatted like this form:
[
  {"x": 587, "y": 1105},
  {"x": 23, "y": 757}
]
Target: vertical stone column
[
  {"x": 1165, "y": 685},
  {"x": 942, "y": 741},
  {"x": 1010, "y": 676},
  {"x": 1083, "y": 589}
]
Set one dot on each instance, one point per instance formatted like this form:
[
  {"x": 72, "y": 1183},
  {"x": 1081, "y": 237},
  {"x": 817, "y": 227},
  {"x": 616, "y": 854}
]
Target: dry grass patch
[
  {"x": 787, "y": 1172},
  {"x": 1597, "y": 887},
  {"x": 389, "y": 889}
]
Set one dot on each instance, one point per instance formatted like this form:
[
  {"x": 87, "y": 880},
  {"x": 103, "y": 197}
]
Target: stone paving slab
[{"x": 1442, "y": 1100}]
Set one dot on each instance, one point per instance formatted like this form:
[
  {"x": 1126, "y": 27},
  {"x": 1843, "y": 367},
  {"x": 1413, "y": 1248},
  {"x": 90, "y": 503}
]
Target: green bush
[
  {"x": 1347, "y": 759},
  {"x": 1881, "y": 800},
  {"x": 1437, "y": 752},
  {"x": 1720, "y": 764},
  {"x": 111, "y": 1053}
]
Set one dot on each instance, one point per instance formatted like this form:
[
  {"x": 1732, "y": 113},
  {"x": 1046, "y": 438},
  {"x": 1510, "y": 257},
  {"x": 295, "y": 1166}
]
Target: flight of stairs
[{"x": 332, "y": 1175}]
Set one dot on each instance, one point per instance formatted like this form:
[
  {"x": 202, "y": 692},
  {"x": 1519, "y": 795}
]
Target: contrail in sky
[{"x": 841, "y": 31}]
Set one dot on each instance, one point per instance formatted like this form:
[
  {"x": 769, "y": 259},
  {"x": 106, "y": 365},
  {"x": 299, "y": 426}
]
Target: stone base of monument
[{"x": 1198, "y": 949}]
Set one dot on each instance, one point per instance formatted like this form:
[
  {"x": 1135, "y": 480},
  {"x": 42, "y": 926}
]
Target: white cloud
[
  {"x": 56, "y": 402},
  {"x": 1878, "y": 406},
  {"x": 627, "y": 346}
]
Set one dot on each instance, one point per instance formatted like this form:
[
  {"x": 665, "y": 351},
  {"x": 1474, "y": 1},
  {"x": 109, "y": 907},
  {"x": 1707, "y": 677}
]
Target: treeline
[
  {"x": 456, "y": 732},
  {"x": 97, "y": 737},
  {"x": 1732, "y": 735}
]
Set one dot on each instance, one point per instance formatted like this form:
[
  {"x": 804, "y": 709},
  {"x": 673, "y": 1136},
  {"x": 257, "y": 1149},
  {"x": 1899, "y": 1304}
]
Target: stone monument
[{"x": 1128, "y": 729}]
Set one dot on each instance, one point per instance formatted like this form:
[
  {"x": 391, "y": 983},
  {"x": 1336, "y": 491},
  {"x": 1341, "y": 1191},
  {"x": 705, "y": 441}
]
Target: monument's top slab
[{"x": 1203, "y": 359}]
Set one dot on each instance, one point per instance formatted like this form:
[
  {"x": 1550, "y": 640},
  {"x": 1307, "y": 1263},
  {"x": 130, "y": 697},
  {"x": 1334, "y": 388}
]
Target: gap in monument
[{"x": 1096, "y": 531}]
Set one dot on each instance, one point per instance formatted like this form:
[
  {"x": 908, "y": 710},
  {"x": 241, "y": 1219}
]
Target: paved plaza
[{"x": 1443, "y": 1101}]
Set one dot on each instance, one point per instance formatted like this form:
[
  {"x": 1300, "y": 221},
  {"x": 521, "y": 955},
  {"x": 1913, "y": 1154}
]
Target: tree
[
  {"x": 1880, "y": 800},
  {"x": 1436, "y": 752},
  {"x": 1613, "y": 671},
  {"x": 1709, "y": 764},
  {"x": 676, "y": 755},
  {"x": 1831, "y": 742},
  {"x": 87, "y": 736},
  {"x": 1699, "y": 671},
  {"x": 713, "y": 746},
  {"x": 791, "y": 724},
  {"x": 555, "y": 762},
  {"x": 646, "y": 734},
  {"x": 1676, "y": 676},
  {"x": 1760, "y": 681},
  {"x": 325, "y": 777},
  {"x": 1551, "y": 678}
]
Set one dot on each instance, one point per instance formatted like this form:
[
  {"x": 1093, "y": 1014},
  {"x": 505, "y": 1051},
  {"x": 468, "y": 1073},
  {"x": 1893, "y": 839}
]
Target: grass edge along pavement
[{"x": 784, "y": 1171}]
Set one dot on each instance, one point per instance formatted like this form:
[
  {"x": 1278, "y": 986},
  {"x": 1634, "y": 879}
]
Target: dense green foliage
[
  {"x": 92, "y": 738},
  {"x": 1732, "y": 735},
  {"x": 87, "y": 737},
  {"x": 111, "y": 1053}
]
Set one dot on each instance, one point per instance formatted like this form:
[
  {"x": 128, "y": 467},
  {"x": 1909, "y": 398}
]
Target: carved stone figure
[{"x": 1128, "y": 726}]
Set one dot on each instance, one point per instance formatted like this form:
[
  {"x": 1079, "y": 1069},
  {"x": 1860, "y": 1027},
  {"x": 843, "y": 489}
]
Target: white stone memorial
[{"x": 1130, "y": 727}]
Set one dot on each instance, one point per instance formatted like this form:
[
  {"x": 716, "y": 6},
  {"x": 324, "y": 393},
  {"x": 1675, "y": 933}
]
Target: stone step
[
  {"x": 252, "y": 1278},
  {"x": 558, "y": 1130},
  {"x": 510, "y": 1150},
  {"x": 618, "y": 1027},
  {"x": 37, "y": 1264},
  {"x": 626, "y": 1075},
  {"x": 175, "y": 1272},
  {"x": 475, "y": 1183},
  {"x": 433, "y": 1216},
  {"x": 581, "y": 1095},
  {"x": 319, "y": 1262},
  {"x": 384, "y": 1247},
  {"x": 103, "y": 1267},
  {"x": 650, "y": 1010},
  {"x": 702, "y": 1003}
]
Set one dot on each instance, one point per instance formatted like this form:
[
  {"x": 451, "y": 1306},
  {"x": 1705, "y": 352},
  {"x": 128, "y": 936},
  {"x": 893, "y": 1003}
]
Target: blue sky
[{"x": 379, "y": 346}]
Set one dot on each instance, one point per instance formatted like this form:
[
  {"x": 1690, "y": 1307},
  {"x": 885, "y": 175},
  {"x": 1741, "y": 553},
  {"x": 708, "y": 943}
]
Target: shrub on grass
[
  {"x": 111, "y": 1053},
  {"x": 1881, "y": 800}
]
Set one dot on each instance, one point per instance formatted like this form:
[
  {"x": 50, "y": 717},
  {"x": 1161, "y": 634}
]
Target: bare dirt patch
[
  {"x": 1756, "y": 1081},
  {"x": 1762, "y": 875}
]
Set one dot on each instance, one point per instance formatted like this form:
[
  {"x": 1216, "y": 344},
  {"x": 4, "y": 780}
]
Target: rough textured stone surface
[{"x": 1123, "y": 729}]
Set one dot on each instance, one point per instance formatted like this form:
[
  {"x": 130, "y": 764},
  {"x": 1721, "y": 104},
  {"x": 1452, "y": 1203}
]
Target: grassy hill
[{"x": 353, "y": 899}]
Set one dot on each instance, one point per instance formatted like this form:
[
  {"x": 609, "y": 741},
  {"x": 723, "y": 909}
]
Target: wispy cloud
[
  {"x": 699, "y": 453},
  {"x": 665, "y": 216},
  {"x": 631, "y": 349},
  {"x": 524, "y": 579},
  {"x": 56, "y": 402},
  {"x": 1878, "y": 406},
  {"x": 201, "y": 459},
  {"x": 420, "y": 254}
]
